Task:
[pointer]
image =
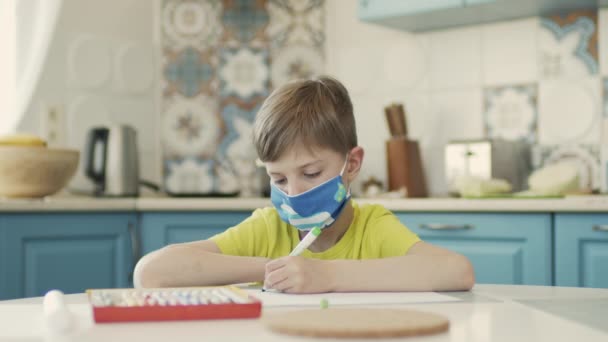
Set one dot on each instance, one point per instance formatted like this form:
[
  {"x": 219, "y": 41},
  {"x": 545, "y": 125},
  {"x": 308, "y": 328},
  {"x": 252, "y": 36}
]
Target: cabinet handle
[
  {"x": 441, "y": 226},
  {"x": 600, "y": 228}
]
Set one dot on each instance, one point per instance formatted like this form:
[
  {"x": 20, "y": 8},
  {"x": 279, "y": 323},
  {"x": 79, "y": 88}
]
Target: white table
[{"x": 487, "y": 313}]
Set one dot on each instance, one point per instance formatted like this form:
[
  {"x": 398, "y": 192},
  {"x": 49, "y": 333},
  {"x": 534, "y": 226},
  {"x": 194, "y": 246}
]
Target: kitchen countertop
[
  {"x": 160, "y": 203},
  {"x": 67, "y": 203},
  {"x": 486, "y": 313}
]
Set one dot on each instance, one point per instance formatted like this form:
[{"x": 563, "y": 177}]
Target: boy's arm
[
  {"x": 197, "y": 263},
  {"x": 424, "y": 268}
]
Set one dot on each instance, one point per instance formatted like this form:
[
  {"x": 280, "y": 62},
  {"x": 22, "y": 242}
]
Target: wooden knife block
[{"x": 404, "y": 166}]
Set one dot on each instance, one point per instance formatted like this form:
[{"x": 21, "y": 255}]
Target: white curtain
[
  {"x": 28, "y": 30},
  {"x": 7, "y": 65}
]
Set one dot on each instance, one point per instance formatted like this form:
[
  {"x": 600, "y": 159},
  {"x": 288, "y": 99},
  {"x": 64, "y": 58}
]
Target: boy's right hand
[{"x": 296, "y": 274}]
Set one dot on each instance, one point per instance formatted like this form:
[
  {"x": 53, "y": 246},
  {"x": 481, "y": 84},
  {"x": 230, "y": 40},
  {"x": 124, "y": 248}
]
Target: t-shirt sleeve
[
  {"x": 391, "y": 237},
  {"x": 248, "y": 238}
]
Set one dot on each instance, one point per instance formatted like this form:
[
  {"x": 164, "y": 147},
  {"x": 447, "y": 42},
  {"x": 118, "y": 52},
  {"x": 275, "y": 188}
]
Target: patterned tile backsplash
[
  {"x": 568, "y": 45},
  {"x": 569, "y": 93},
  {"x": 537, "y": 79},
  {"x": 220, "y": 60},
  {"x": 560, "y": 111},
  {"x": 510, "y": 112}
]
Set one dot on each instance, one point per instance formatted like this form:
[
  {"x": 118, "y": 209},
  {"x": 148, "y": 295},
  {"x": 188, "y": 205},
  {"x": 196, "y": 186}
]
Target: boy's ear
[{"x": 355, "y": 160}]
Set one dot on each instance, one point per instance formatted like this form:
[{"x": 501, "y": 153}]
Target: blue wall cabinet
[
  {"x": 503, "y": 248},
  {"x": 70, "y": 252},
  {"x": 477, "y": 2},
  {"x": 581, "y": 250},
  {"x": 380, "y": 9},
  {"x": 425, "y": 15},
  {"x": 159, "y": 229}
]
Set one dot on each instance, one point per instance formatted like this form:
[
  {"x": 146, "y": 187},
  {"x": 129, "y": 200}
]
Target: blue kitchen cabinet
[
  {"x": 504, "y": 248},
  {"x": 581, "y": 250},
  {"x": 67, "y": 251},
  {"x": 425, "y": 15},
  {"x": 477, "y": 2},
  {"x": 381, "y": 9},
  {"x": 159, "y": 229}
]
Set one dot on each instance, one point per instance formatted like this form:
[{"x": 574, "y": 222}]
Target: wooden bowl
[{"x": 35, "y": 171}]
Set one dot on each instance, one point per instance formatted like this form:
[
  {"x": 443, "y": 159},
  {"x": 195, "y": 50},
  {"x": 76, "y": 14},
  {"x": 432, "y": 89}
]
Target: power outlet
[{"x": 53, "y": 125}]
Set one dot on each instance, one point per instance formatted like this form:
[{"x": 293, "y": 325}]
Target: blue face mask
[{"x": 317, "y": 207}]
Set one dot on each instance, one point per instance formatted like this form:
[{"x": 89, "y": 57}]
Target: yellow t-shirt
[{"x": 374, "y": 233}]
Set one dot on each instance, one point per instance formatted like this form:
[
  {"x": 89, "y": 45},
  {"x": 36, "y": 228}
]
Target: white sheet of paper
[{"x": 274, "y": 299}]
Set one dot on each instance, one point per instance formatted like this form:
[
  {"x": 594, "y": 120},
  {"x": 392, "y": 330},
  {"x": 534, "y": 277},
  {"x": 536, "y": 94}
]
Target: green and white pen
[
  {"x": 304, "y": 244},
  {"x": 306, "y": 241}
]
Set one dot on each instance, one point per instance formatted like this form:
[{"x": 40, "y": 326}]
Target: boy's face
[{"x": 300, "y": 169}]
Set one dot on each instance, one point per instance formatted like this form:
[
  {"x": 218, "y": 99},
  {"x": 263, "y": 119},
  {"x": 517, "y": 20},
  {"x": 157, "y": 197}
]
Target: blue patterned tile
[
  {"x": 510, "y": 112},
  {"x": 215, "y": 72},
  {"x": 236, "y": 120},
  {"x": 189, "y": 72},
  {"x": 236, "y": 150},
  {"x": 295, "y": 62},
  {"x": 568, "y": 45},
  {"x": 244, "y": 73},
  {"x": 189, "y": 176},
  {"x": 244, "y": 20},
  {"x": 191, "y": 127},
  {"x": 296, "y": 22},
  {"x": 190, "y": 23}
]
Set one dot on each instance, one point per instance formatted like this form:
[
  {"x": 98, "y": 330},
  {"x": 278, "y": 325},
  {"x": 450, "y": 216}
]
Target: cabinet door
[
  {"x": 161, "y": 229},
  {"x": 581, "y": 250},
  {"x": 70, "y": 252},
  {"x": 503, "y": 248},
  {"x": 370, "y": 9}
]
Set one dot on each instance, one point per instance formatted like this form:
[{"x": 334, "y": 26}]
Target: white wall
[
  {"x": 380, "y": 66},
  {"x": 100, "y": 70}
]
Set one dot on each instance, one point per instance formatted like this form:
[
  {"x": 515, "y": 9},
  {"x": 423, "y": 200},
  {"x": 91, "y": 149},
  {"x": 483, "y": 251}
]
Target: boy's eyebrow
[
  {"x": 299, "y": 167},
  {"x": 309, "y": 164}
]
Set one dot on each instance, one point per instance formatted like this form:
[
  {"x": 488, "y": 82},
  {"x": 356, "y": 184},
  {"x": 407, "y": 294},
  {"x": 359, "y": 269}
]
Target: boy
[{"x": 305, "y": 135}]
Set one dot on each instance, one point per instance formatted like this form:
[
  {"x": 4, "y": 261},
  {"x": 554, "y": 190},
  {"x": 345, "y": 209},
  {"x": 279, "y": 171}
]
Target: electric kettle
[{"x": 111, "y": 160}]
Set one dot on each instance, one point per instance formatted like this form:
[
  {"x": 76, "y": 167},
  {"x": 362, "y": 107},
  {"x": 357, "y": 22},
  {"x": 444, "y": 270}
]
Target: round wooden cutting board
[{"x": 356, "y": 322}]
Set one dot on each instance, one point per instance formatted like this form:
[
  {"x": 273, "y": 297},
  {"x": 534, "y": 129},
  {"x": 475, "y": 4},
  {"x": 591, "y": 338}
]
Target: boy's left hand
[{"x": 296, "y": 274}]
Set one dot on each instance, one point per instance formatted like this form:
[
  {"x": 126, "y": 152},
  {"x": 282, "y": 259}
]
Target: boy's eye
[
  {"x": 312, "y": 175},
  {"x": 280, "y": 181}
]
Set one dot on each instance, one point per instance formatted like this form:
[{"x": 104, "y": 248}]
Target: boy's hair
[{"x": 317, "y": 113}]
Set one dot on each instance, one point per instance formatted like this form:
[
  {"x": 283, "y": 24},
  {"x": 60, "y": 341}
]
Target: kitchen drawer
[
  {"x": 159, "y": 229},
  {"x": 581, "y": 250},
  {"x": 503, "y": 248}
]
